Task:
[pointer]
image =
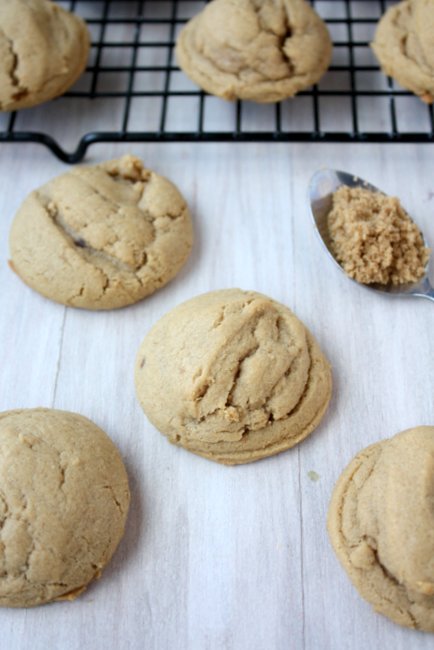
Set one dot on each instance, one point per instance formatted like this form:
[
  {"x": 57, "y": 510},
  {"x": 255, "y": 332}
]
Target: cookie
[
  {"x": 381, "y": 525},
  {"x": 232, "y": 376},
  {"x": 101, "y": 237},
  {"x": 43, "y": 51},
  {"x": 63, "y": 504},
  {"x": 404, "y": 46},
  {"x": 261, "y": 50}
]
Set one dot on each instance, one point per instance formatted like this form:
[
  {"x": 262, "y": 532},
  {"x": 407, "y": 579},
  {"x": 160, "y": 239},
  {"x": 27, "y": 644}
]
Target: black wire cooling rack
[{"x": 133, "y": 82}]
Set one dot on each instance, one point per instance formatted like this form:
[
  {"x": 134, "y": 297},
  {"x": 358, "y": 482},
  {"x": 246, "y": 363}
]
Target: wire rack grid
[{"x": 132, "y": 81}]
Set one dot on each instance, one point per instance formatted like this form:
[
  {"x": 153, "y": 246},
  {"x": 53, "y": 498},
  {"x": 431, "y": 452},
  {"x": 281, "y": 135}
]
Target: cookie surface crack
[
  {"x": 238, "y": 370},
  {"x": 21, "y": 91},
  {"x": 83, "y": 249}
]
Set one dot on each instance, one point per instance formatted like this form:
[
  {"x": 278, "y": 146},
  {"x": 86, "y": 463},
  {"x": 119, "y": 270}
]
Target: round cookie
[
  {"x": 404, "y": 46},
  {"x": 260, "y": 50},
  {"x": 233, "y": 376},
  {"x": 101, "y": 237},
  {"x": 64, "y": 500},
  {"x": 381, "y": 525},
  {"x": 43, "y": 51}
]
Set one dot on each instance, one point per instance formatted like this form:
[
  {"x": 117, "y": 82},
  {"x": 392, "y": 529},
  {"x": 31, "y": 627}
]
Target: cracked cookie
[
  {"x": 404, "y": 46},
  {"x": 381, "y": 525},
  {"x": 233, "y": 376},
  {"x": 101, "y": 237},
  {"x": 43, "y": 51},
  {"x": 64, "y": 500},
  {"x": 260, "y": 50}
]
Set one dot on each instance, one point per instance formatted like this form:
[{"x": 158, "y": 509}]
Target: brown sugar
[{"x": 374, "y": 239}]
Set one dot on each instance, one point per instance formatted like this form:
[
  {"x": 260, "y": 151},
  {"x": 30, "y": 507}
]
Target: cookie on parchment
[
  {"x": 233, "y": 376},
  {"x": 101, "y": 237},
  {"x": 64, "y": 500},
  {"x": 43, "y": 51},
  {"x": 258, "y": 50},
  {"x": 404, "y": 46},
  {"x": 381, "y": 525}
]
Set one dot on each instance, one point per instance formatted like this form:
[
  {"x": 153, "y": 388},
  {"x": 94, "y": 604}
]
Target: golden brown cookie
[
  {"x": 381, "y": 525},
  {"x": 404, "y": 46},
  {"x": 43, "y": 51},
  {"x": 64, "y": 500},
  {"x": 233, "y": 376},
  {"x": 101, "y": 237},
  {"x": 262, "y": 50}
]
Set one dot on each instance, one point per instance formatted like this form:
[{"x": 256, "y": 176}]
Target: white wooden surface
[{"x": 216, "y": 557}]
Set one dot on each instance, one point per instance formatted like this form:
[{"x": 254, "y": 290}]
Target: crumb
[
  {"x": 374, "y": 239},
  {"x": 313, "y": 475}
]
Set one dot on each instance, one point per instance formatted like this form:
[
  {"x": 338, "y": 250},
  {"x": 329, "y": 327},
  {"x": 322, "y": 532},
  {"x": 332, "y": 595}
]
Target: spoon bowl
[{"x": 321, "y": 188}]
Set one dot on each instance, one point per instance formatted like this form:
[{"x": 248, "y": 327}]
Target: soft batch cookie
[
  {"x": 64, "y": 500},
  {"x": 381, "y": 525},
  {"x": 101, "y": 237},
  {"x": 43, "y": 51},
  {"x": 233, "y": 376},
  {"x": 259, "y": 50},
  {"x": 404, "y": 46}
]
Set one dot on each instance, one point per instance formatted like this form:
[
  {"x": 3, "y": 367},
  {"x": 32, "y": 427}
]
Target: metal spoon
[{"x": 321, "y": 187}]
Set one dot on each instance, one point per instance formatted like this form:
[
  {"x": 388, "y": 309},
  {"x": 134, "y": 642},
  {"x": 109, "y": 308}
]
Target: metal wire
[{"x": 335, "y": 110}]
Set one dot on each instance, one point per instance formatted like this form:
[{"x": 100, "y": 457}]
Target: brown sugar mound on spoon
[{"x": 374, "y": 239}]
